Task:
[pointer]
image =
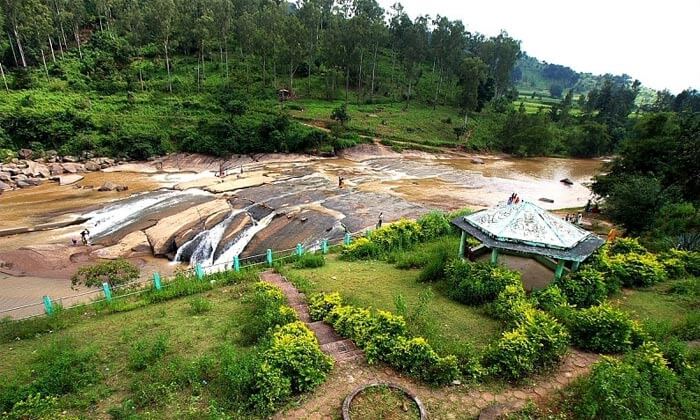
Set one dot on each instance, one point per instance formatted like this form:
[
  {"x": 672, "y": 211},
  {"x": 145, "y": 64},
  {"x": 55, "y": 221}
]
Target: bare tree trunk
[
  {"x": 264, "y": 75},
  {"x": 347, "y": 82},
  {"x": 374, "y": 66},
  {"x": 53, "y": 56},
  {"x": 292, "y": 70},
  {"x": 100, "y": 17},
  {"x": 141, "y": 80},
  {"x": 204, "y": 74},
  {"x": 19, "y": 47},
  {"x": 2, "y": 73},
  {"x": 43, "y": 60},
  {"x": 226, "y": 62},
  {"x": 198, "y": 78},
  {"x": 359, "y": 77},
  {"x": 308, "y": 78},
  {"x": 60, "y": 46},
  {"x": 77, "y": 41},
  {"x": 12, "y": 46},
  {"x": 437, "y": 87},
  {"x": 167, "y": 65}
]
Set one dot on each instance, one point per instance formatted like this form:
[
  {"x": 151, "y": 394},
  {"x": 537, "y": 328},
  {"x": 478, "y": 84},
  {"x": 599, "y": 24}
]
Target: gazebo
[{"x": 523, "y": 228}]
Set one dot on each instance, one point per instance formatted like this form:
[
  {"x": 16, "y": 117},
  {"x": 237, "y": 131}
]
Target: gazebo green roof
[{"x": 527, "y": 228}]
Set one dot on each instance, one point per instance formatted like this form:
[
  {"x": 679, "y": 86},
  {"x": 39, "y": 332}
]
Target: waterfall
[
  {"x": 244, "y": 239},
  {"x": 205, "y": 243}
]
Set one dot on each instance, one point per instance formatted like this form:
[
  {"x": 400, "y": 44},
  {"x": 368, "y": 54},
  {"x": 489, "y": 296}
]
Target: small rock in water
[{"x": 477, "y": 161}]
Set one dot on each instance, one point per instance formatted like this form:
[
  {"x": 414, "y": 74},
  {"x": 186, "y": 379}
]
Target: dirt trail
[{"x": 452, "y": 402}]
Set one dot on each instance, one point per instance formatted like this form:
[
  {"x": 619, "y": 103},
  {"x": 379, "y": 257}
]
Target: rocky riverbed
[{"x": 198, "y": 209}]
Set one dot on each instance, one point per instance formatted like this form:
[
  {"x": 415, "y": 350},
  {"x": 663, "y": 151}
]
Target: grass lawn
[
  {"x": 376, "y": 284},
  {"x": 657, "y": 304},
  {"x": 112, "y": 337}
]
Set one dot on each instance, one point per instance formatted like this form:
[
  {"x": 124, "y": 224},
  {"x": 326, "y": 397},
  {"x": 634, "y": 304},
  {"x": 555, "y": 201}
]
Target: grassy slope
[
  {"x": 374, "y": 283},
  {"x": 189, "y": 337}
]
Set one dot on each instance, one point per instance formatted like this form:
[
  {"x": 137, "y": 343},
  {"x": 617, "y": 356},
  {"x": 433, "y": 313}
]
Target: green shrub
[
  {"x": 35, "y": 406},
  {"x": 147, "y": 351},
  {"x": 583, "y": 288},
  {"x": 636, "y": 270},
  {"x": 361, "y": 249},
  {"x": 477, "y": 283},
  {"x": 320, "y": 304},
  {"x": 689, "y": 288},
  {"x": 199, "y": 305},
  {"x": 268, "y": 311},
  {"x": 626, "y": 246},
  {"x": 415, "y": 357},
  {"x": 433, "y": 225},
  {"x": 294, "y": 351},
  {"x": 114, "y": 273},
  {"x": 511, "y": 305},
  {"x": 549, "y": 299},
  {"x": 537, "y": 342},
  {"x": 271, "y": 388},
  {"x": 604, "y": 329},
  {"x": 310, "y": 260},
  {"x": 639, "y": 386},
  {"x": 679, "y": 263}
]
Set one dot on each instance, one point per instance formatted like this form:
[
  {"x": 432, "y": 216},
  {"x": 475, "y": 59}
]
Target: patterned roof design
[{"x": 528, "y": 224}]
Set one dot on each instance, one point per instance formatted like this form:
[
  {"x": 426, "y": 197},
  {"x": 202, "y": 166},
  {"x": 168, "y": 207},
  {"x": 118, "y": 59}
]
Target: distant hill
[{"x": 533, "y": 75}]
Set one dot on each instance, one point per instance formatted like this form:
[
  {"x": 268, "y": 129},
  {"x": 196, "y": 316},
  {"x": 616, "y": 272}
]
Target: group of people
[
  {"x": 513, "y": 199},
  {"x": 574, "y": 218}
]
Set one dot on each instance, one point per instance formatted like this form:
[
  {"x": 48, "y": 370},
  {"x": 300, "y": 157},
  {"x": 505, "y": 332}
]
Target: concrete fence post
[
  {"x": 559, "y": 270},
  {"x": 324, "y": 246},
  {"x": 107, "y": 291},
  {"x": 236, "y": 263},
  {"x": 268, "y": 257},
  {"x": 199, "y": 272},
  {"x": 48, "y": 306},
  {"x": 156, "y": 281},
  {"x": 347, "y": 239},
  {"x": 300, "y": 250}
]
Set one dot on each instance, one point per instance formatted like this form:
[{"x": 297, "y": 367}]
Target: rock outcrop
[{"x": 162, "y": 236}]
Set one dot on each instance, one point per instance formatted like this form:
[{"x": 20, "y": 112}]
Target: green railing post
[
  {"x": 559, "y": 270},
  {"x": 199, "y": 272},
  {"x": 48, "y": 306},
  {"x": 368, "y": 233},
  {"x": 300, "y": 250},
  {"x": 236, "y": 263},
  {"x": 462, "y": 244},
  {"x": 575, "y": 265},
  {"x": 107, "y": 291},
  {"x": 494, "y": 256},
  {"x": 346, "y": 239},
  {"x": 156, "y": 281},
  {"x": 268, "y": 257},
  {"x": 324, "y": 246}
]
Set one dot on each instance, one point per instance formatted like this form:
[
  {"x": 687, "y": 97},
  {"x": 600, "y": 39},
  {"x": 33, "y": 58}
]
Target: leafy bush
[
  {"x": 626, "y": 246},
  {"x": 146, "y": 351},
  {"x": 511, "y": 305},
  {"x": 639, "y": 386},
  {"x": 433, "y": 225},
  {"x": 114, "y": 273},
  {"x": 477, "y": 283},
  {"x": 309, "y": 260},
  {"x": 604, "y": 329},
  {"x": 679, "y": 263},
  {"x": 361, "y": 249},
  {"x": 321, "y": 304},
  {"x": 537, "y": 342},
  {"x": 268, "y": 311},
  {"x": 636, "y": 270},
  {"x": 199, "y": 305},
  {"x": 384, "y": 337},
  {"x": 549, "y": 299},
  {"x": 583, "y": 288},
  {"x": 294, "y": 351}
]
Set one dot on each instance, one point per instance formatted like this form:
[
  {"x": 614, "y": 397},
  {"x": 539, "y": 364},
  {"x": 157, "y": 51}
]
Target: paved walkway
[{"x": 451, "y": 402}]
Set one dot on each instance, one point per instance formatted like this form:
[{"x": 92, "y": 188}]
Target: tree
[
  {"x": 341, "y": 115},
  {"x": 633, "y": 201},
  {"x": 555, "y": 90},
  {"x": 114, "y": 273},
  {"x": 472, "y": 75},
  {"x": 500, "y": 53}
]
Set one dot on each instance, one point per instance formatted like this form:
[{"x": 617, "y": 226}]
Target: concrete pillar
[
  {"x": 494, "y": 256},
  {"x": 156, "y": 281},
  {"x": 559, "y": 270},
  {"x": 575, "y": 265},
  {"x": 463, "y": 244},
  {"x": 48, "y": 306}
]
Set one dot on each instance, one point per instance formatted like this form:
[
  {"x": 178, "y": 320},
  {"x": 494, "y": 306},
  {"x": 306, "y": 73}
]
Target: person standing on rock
[
  {"x": 379, "y": 222},
  {"x": 85, "y": 235}
]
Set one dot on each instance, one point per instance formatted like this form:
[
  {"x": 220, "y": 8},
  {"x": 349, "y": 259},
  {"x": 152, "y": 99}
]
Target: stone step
[
  {"x": 303, "y": 312},
  {"x": 324, "y": 333},
  {"x": 341, "y": 350}
]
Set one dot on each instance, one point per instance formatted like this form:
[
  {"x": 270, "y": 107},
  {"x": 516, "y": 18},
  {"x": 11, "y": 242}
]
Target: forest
[{"x": 137, "y": 78}]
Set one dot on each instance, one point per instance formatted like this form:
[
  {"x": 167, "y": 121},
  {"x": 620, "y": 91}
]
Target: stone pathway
[
  {"x": 331, "y": 343},
  {"x": 451, "y": 402}
]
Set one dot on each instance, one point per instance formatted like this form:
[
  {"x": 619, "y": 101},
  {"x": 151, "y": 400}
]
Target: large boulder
[
  {"x": 134, "y": 244},
  {"x": 25, "y": 153},
  {"x": 35, "y": 169},
  {"x": 69, "y": 179},
  {"x": 73, "y": 167},
  {"x": 4, "y": 176},
  {"x": 55, "y": 169},
  {"x": 4, "y": 186},
  {"x": 204, "y": 216},
  {"x": 92, "y": 166},
  {"x": 70, "y": 159}
]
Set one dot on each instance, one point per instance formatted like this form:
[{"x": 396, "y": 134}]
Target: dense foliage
[
  {"x": 114, "y": 273},
  {"x": 477, "y": 283}
]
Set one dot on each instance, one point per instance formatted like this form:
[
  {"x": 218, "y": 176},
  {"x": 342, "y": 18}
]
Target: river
[{"x": 179, "y": 209}]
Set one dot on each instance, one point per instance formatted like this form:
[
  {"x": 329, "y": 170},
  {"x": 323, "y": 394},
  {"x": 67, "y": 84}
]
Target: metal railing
[{"x": 109, "y": 293}]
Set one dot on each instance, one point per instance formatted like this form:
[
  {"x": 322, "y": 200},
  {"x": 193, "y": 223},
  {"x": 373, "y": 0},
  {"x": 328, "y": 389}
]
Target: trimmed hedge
[
  {"x": 384, "y": 338},
  {"x": 549, "y": 299},
  {"x": 478, "y": 283},
  {"x": 269, "y": 310},
  {"x": 626, "y": 246},
  {"x": 636, "y": 270},
  {"x": 603, "y": 329}
]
